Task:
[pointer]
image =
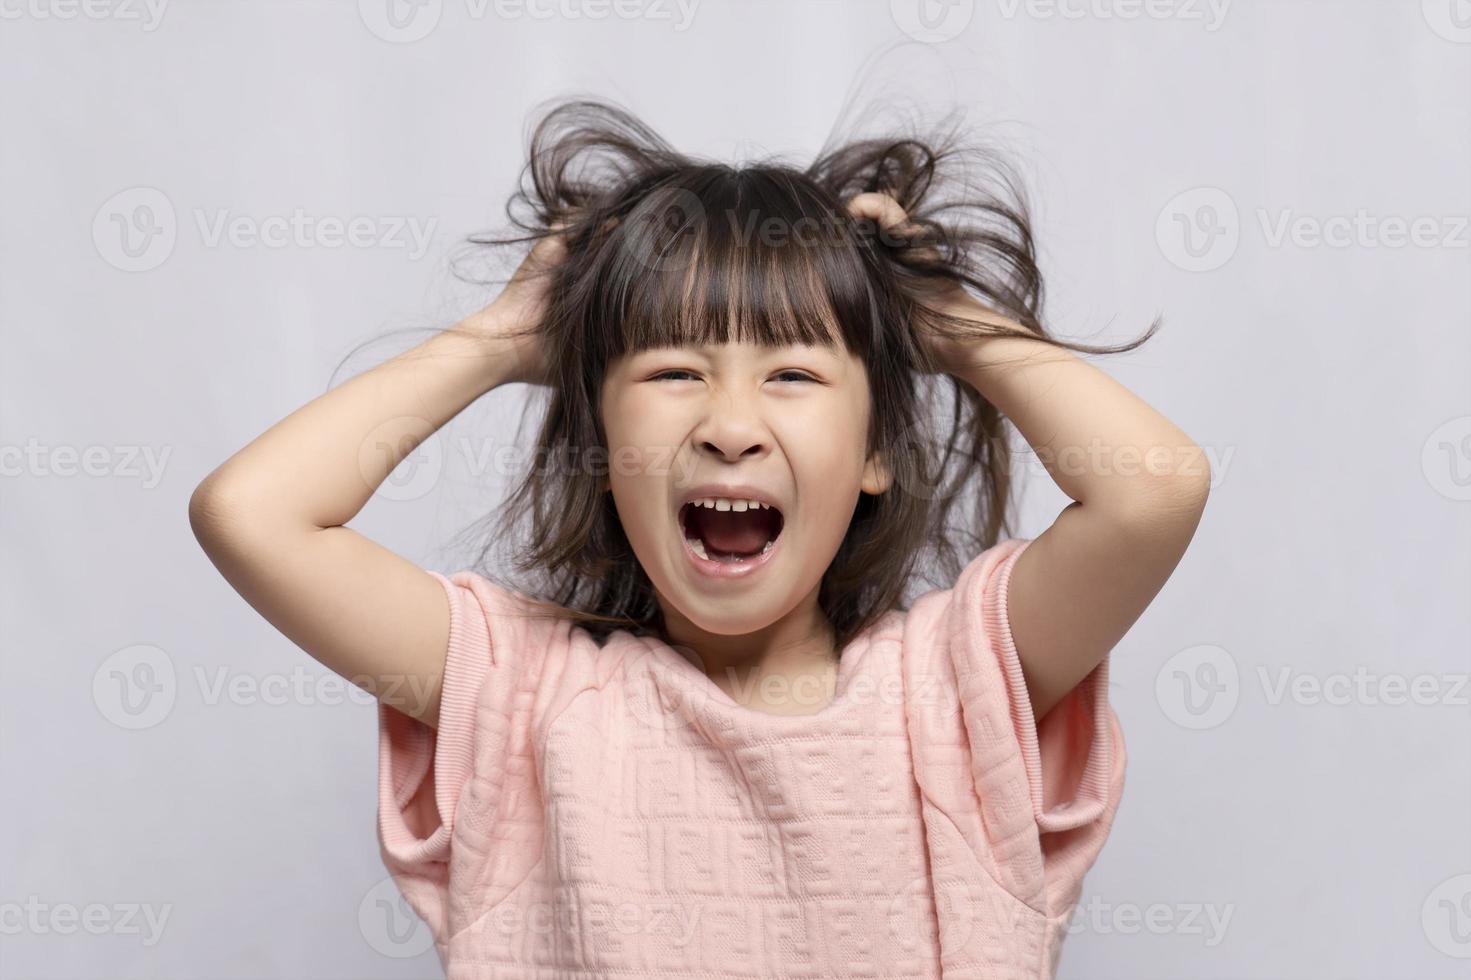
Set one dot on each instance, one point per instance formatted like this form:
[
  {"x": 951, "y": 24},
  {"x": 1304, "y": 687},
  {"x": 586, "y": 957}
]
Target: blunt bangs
[{"x": 720, "y": 255}]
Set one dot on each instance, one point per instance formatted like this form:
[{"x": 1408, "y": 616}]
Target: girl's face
[{"x": 786, "y": 426}]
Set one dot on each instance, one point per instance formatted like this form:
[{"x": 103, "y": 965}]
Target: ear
[{"x": 876, "y": 476}]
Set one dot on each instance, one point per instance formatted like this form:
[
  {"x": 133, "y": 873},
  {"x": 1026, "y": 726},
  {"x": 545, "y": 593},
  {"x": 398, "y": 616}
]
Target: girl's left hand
[{"x": 944, "y": 295}]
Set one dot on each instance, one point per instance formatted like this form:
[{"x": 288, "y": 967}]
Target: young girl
[{"x": 712, "y": 740}]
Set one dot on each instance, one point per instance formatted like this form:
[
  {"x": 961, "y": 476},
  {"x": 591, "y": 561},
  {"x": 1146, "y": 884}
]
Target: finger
[
  {"x": 880, "y": 207},
  {"x": 550, "y": 251}
]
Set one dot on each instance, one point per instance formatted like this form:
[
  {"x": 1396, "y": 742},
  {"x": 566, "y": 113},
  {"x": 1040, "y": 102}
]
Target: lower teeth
[{"x": 698, "y": 547}]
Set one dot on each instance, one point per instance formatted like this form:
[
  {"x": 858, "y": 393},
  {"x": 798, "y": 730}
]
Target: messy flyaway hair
[{"x": 666, "y": 248}]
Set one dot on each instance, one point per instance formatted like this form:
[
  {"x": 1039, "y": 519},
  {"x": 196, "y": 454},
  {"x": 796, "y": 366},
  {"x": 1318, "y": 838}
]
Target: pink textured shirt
[{"x": 588, "y": 811}]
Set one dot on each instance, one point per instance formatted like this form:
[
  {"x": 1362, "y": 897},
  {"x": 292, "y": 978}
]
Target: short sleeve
[
  {"x": 433, "y": 780},
  {"x": 1049, "y": 792}
]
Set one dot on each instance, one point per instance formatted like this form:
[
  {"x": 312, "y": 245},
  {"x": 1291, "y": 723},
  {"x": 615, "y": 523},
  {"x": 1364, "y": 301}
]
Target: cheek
[
  {"x": 632, "y": 470},
  {"x": 827, "y": 455},
  {"x": 828, "y": 437},
  {"x": 640, "y": 442}
]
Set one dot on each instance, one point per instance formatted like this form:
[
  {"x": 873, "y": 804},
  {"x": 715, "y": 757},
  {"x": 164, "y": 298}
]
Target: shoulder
[
  {"x": 972, "y": 608},
  {"x": 498, "y": 621}
]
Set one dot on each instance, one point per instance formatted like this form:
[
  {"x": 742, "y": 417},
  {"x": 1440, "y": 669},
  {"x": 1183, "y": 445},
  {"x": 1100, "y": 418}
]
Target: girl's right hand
[
  {"x": 514, "y": 319},
  {"x": 273, "y": 516}
]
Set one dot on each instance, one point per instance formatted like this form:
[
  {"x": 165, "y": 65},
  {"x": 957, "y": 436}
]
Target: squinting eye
[{"x": 672, "y": 372}]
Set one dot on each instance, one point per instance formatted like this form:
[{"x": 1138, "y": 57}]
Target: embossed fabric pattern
[{"x": 590, "y": 812}]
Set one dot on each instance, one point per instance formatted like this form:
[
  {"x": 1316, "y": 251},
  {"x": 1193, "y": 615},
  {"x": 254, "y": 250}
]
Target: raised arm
[
  {"x": 1137, "y": 482},
  {"x": 272, "y": 516},
  {"x": 1079, "y": 586}
]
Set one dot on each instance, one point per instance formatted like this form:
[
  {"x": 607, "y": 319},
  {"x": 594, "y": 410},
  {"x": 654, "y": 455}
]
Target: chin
[{"x": 729, "y": 622}]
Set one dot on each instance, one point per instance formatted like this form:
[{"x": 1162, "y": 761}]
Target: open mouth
[{"x": 729, "y": 531}]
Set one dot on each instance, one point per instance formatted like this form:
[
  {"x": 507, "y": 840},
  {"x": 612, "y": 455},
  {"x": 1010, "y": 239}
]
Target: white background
[{"x": 1330, "y": 382}]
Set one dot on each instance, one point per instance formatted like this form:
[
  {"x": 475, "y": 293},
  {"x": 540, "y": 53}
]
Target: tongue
[{"x": 733, "y": 532}]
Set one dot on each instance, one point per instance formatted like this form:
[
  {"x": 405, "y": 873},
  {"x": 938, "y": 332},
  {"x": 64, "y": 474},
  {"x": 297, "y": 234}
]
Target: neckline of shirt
[{"x": 703, "y": 697}]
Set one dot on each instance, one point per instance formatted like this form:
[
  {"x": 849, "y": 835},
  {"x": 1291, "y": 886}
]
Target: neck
[{"x": 786, "y": 667}]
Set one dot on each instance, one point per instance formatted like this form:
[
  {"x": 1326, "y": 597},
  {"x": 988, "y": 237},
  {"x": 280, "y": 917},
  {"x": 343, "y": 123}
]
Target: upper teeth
[{"x": 729, "y": 503}]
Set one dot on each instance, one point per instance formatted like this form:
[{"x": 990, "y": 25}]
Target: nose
[{"x": 732, "y": 429}]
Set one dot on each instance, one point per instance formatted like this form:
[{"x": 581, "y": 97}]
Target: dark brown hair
[{"x": 665, "y": 248}]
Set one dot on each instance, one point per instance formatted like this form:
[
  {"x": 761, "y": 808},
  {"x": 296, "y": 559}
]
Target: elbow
[
  {"x": 1184, "y": 492},
  {"x": 1166, "y": 499},
  {"x": 210, "y": 513},
  {"x": 1185, "y": 484},
  {"x": 1193, "y": 486},
  {"x": 1175, "y": 502}
]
